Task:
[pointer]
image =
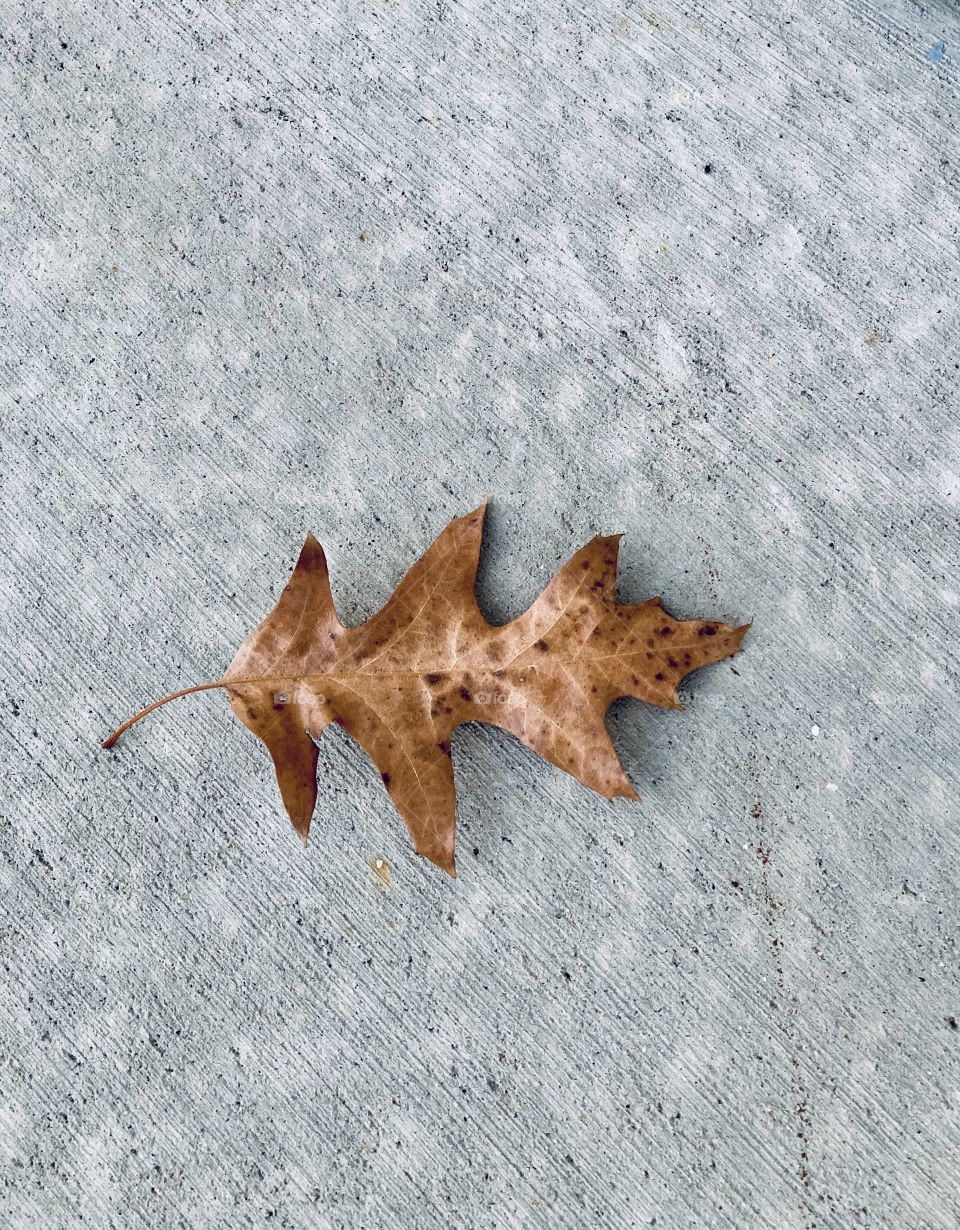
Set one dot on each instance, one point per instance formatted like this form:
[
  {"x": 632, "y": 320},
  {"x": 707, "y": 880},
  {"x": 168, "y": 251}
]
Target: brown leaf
[{"x": 402, "y": 682}]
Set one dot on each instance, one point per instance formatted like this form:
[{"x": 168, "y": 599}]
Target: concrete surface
[{"x": 686, "y": 272}]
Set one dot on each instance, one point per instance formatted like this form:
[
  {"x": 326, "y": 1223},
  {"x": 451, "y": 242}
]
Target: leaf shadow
[{"x": 641, "y": 740}]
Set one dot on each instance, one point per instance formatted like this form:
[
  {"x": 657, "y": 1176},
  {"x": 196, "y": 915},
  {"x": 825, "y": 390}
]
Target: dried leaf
[{"x": 402, "y": 682}]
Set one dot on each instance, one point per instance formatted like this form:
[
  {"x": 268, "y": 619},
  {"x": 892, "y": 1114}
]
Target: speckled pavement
[{"x": 689, "y": 273}]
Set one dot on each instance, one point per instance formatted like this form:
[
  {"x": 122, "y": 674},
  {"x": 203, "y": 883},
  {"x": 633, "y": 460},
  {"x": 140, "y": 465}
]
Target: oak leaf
[{"x": 400, "y": 683}]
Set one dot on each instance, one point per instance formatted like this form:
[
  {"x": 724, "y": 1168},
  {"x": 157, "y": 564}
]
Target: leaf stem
[{"x": 197, "y": 687}]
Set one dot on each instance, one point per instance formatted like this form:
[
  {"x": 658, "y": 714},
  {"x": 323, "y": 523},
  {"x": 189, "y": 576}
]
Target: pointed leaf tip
[
  {"x": 311, "y": 554},
  {"x": 440, "y": 858},
  {"x": 301, "y": 827}
]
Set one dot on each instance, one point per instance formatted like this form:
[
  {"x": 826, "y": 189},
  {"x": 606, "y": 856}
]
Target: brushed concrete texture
[{"x": 688, "y": 272}]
